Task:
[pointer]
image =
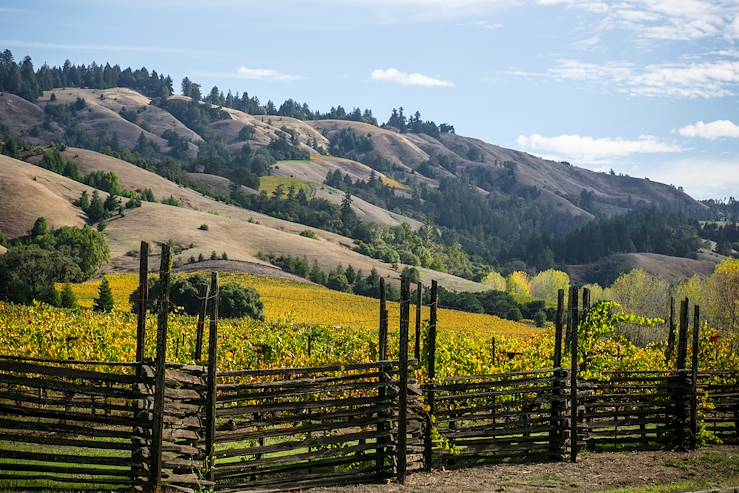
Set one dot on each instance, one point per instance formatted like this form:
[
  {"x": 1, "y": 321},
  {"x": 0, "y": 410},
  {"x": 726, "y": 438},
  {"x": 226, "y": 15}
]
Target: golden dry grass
[{"x": 27, "y": 192}]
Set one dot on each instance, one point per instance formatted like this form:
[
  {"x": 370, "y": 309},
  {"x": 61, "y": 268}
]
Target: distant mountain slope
[
  {"x": 672, "y": 269},
  {"x": 576, "y": 191}
]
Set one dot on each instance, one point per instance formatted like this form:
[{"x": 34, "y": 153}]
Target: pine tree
[
  {"x": 104, "y": 302},
  {"x": 67, "y": 298}
]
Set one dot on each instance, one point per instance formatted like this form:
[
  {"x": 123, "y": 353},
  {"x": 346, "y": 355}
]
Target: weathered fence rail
[
  {"x": 632, "y": 410},
  {"x": 305, "y": 427},
  {"x": 498, "y": 417},
  {"x": 718, "y": 401},
  {"x": 65, "y": 425},
  {"x": 154, "y": 426}
]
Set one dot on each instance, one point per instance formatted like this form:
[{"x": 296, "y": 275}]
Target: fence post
[
  {"x": 201, "y": 323},
  {"x": 143, "y": 295},
  {"x": 568, "y": 326},
  {"x": 210, "y": 410},
  {"x": 694, "y": 380},
  {"x": 382, "y": 391},
  {"x": 682, "y": 345},
  {"x": 431, "y": 356},
  {"x": 405, "y": 304},
  {"x": 382, "y": 347},
  {"x": 573, "y": 322},
  {"x": 492, "y": 351},
  {"x": 419, "y": 311},
  {"x": 556, "y": 432},
  {"x": 682, "y": 390},
  {"x": 138, "y": 453},
  {"x": 165, "y": 269},
  {"x": 671, "y": 334}
]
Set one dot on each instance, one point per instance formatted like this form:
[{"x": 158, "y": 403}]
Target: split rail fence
[{"x": 154, "y": 426}]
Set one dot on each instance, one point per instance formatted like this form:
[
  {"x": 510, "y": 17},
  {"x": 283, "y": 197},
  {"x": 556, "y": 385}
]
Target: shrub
[
  {"x": 213, "y": 255},
  {"x": 29, "y": 272},
  {"x": 411, "y": 274},
  {"x": 514, "y": 314},
  {"x": 224, "y": 256},
  {"x": 338, "y": 282},
  {"x": 133, "y": 203},
  {"x": 309, "y": 234},
  {"x": 86, "y": 247},
  {"x": 540, "y": 318},
  {"x": 185, "y": 293},
  {"x": 148, "y": 195},
  {"x": 236, "y": 301},
  {"x": 203, "y": 227},
  {"x": 171, "y": 201}
]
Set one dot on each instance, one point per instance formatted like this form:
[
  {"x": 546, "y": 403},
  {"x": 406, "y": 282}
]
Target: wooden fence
[
  {"x": 498, "y": 417},
  {"x": 64, "y": 425},
  {"x": 154, "y": 426}
]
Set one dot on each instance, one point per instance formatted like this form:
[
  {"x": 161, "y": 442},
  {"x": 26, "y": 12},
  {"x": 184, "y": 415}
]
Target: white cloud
[
  {"x": 486, "y": 25},
  {"x": 714, "y": 130},
  {"x": 734, "y": 28},
  {"x": 408, "y": 79},
  {"x": 582, "y": 148},
  {"x": 265, "y": 74},
  {"x": 658, "y": 19},
  {"x": 710, "y": 79}
]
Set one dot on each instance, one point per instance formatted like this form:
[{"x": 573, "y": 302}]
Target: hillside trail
[{"x": 713, "y": 468}]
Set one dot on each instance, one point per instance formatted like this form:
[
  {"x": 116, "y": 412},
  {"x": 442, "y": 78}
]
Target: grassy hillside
[
  {"x": 268, "y": 184},
  {"x": 31, "y": 191}
]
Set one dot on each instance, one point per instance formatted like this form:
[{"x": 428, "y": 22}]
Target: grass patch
[{"x": 268, "y": 184}]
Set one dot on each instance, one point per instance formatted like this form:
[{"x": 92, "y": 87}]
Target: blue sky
[{"x": 646, "y": 87}]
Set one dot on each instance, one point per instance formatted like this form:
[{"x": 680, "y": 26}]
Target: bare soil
[{"x": 714, "y": 468}]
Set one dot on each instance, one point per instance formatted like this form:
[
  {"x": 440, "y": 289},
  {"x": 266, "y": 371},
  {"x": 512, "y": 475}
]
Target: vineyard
[
  {"x": 308, "y": 325},
  {"x": 281, "y": 404}
]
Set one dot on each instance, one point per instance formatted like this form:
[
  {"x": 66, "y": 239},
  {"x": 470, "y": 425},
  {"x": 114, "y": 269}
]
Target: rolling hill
[
  {"x": 29, "y": 191},
  {"x": 406, "y": 162}
]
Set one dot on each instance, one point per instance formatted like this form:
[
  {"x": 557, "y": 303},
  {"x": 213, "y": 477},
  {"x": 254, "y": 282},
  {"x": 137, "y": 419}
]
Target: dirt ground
[{"x": 714, "y": 469}]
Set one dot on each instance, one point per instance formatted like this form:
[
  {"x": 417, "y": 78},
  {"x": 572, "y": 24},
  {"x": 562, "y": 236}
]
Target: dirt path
[{"x": 652, "y": 472}]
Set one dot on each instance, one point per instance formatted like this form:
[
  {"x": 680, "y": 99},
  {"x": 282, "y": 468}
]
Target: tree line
[{"x": 25, "y": 81}]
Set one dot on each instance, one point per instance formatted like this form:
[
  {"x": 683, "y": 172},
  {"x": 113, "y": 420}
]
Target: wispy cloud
[
  {"x": 710, "y": 79},
  {"x": 719, "y": 129},
  {"x": 582, "y": 148},
  {"x": 16, "y": 43},
  {"x": 266, "y": 74},
  {"x": 408, "y": 79},
  {"x": 659, "y": 19},
  {"x": 483, "y": 24}
]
